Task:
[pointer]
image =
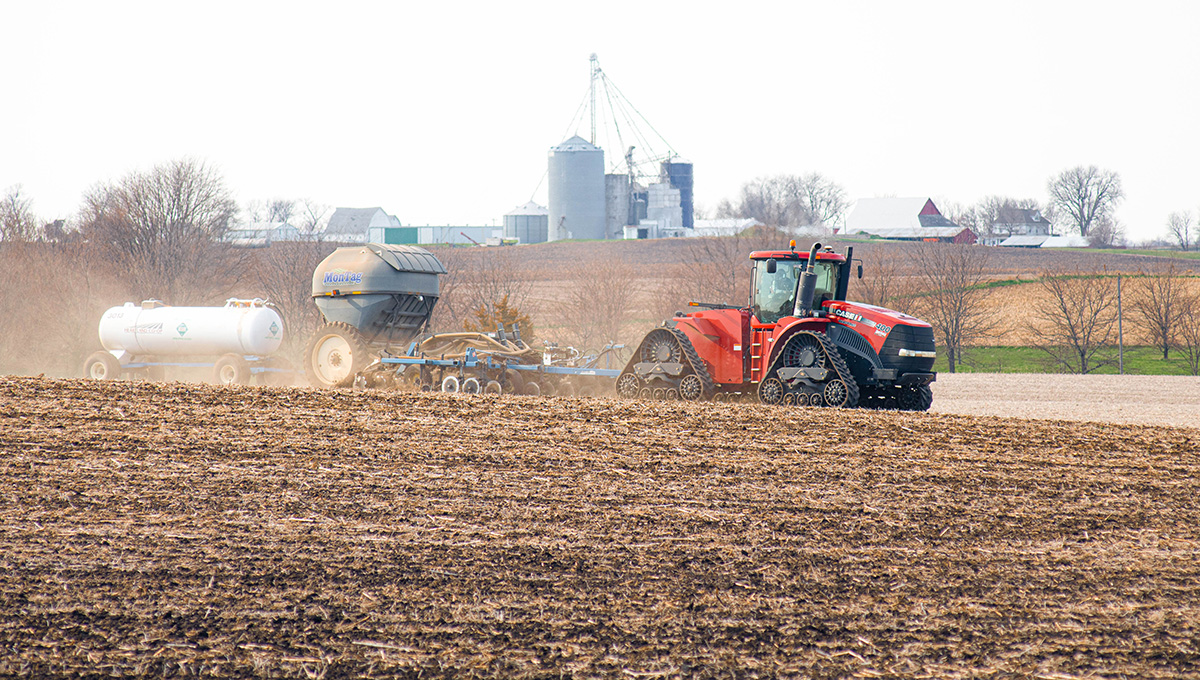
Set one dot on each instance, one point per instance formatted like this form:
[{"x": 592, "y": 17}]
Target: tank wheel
[
  {"x": 471, "y": 386},
  {"x": 672, "y": 394},
  {"x": 102, "y": 366},
  {"x": 915, "y": 398},
  {"x": 628, "y": 385},
  {"x": 814, "y": 399},
  {"x": 335, "y": 353},
  {"x": 836, "y": 393},
  {"x": 645, "y": 393},
  {"x": 493, "y": 387},
  {"x": 789, "y": 399},
  {"x": 770, "y": 391},
  {"x": 658, "y": 394},
  {"x": 231, "y": 369},
  {"x": 450, "y": 384},
  {"x": 691, "y": 388}
]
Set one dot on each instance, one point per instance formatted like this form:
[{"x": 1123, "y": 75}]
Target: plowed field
[{"x": 171, "y": 530}]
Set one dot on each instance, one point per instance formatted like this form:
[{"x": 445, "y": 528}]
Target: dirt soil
[
  {"x": 1143, "y": 399},
  {"x": 177, "y": 529}
]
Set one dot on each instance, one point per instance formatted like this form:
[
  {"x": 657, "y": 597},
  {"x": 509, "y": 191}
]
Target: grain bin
[
  {"x": 529, "y": 223},
  {"x": 576, "y": 178}
]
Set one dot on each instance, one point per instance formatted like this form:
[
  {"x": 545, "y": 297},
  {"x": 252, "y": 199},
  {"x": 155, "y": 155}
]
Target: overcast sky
[{"x": 444, "y": 112}]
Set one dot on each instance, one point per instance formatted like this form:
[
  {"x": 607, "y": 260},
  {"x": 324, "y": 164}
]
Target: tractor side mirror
[
  {"x": 860, "y": 270},
  {"x": 772, "y": 266}
]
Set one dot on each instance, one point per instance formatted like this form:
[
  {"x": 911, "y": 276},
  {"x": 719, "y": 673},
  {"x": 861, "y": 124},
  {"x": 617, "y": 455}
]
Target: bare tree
[
  {"x": 312, "y": 218},
  {"x": 1160, "y": 297},
  {"x": 1179, "y": 226},
  {"x": 281, "y": 210},
  {"x": 953, "y": 298},
  {"x": 1189, "y": 331},
  {"x": 826, "y": 200},
  {"x": 1079, "y": 314},
  {"x": 164, "y": 228},
  {"x": 789, "y": 200},
  {"x": 479, "y": 277},
  {"x": 887, "y": 279},
  {"x": 600, "y": 303},
  {"x": 283, "y": 273},
  {"x": 1106, "y": 233},
  {"x": 17, "y": 221},
  {"x": 1085, "y": 195}
]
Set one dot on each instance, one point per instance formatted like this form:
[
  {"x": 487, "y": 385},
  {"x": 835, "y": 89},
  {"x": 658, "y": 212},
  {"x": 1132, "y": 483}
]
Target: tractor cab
[{"x": 776, "y": 291}]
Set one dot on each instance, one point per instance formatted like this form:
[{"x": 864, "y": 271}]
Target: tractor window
[
  {"x": 775, "y": 294},
  {"x": 827, "y": 281}
]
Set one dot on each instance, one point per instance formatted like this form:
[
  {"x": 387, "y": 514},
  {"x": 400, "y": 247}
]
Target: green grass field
[{"x": 1138, "y": 361}]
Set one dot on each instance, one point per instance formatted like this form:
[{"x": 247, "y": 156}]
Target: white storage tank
[{"x": 246, "y": 327}]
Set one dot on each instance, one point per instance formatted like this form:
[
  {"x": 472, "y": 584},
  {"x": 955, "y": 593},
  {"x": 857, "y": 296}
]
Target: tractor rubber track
[
  {"x": 688, "y": 353},
  {"x": 835, "y": 358},
  {"x": 693, "y": 359}
]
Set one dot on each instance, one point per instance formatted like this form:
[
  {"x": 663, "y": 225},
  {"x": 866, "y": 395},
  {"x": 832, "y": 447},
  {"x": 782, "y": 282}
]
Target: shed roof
[
  {"x": 870, "y": 214},
  {"x": 1034, "y": 241},
  {"x": 355, "y": 220},
  {"x": 529, "y": 208}
]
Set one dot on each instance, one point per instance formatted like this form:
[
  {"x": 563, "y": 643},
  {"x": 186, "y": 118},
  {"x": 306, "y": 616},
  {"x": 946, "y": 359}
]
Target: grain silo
[
  {"x": 528, "y": 223},
  {"x": 617, "y": 201},
  {"x": 679, "y": 174},
  {"x": 576, "y": 190}
]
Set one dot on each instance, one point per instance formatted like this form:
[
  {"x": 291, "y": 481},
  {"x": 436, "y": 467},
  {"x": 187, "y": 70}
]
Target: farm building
[
  {"x": 905, "y": 219},
  {"x": 728, "y": 226},
  {"x": 353, "y": 225},
  {"x": 428, "y": 235},
  {"x": 1045, "y": 241},
  {"x": 262, "y": 234}
]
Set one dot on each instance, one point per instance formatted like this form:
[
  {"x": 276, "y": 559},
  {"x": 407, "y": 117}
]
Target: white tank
[{"x": 240, "y": 327}]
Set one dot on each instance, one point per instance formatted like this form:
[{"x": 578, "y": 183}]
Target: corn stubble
[{"x": 171, "y": 529}]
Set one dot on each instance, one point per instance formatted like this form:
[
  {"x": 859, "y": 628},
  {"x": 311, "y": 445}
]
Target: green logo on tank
[
  {"x": 274, "y": 329},
  {"x": 182, "y": 328}
]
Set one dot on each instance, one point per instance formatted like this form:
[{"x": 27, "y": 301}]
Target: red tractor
[{"x": 798, "y": 342}]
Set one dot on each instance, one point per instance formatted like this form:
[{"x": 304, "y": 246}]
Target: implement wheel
[
  {"x": 335, "y": 354},
  {"x": 102, "y": 366},
  {"x": 231, "y": 369}
]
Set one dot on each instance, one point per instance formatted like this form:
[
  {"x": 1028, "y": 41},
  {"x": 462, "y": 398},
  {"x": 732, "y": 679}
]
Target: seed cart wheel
[
  {"x": 493, "y": 387},
  {"x": 565, "y": 390},
  {"x": 532, "y": 389},
  {"x": 102, "y": 366},
  {"x": 335, "y": 353},
  {"x": 471, "y": 386},
  {"x": 450, "y": 383},
  {"x": 231, "y": 369}
]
